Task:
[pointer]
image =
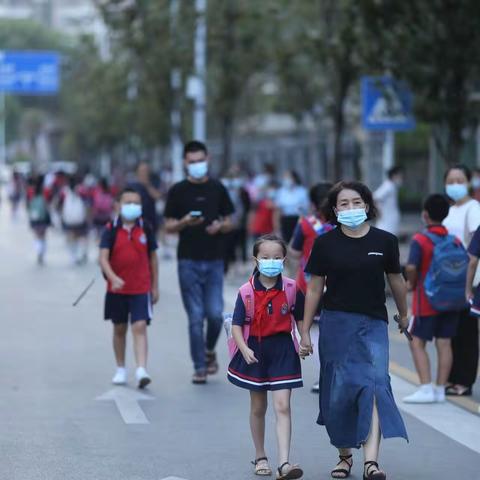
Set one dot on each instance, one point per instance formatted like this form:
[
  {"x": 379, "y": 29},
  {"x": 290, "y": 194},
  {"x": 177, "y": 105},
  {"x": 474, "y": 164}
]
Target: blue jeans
[{"x": 201, "y": 285}]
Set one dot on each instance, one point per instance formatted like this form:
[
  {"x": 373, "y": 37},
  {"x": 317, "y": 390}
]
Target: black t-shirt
[
  {"x": 355, "y": 269},
  {"x": 212, "y": 199}
]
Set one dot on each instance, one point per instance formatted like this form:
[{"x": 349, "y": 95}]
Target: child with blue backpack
[
  {"x": 264, "y": 350},
  {"x": 436, "y": 274}
]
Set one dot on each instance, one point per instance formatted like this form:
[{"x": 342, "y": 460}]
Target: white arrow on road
[{"x": 127, "y": 400}]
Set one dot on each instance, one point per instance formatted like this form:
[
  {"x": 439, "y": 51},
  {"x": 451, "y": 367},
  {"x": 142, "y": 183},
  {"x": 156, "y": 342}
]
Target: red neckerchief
[{"x": 261, "y": 307}]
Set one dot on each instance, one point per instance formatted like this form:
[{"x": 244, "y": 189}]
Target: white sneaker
[
  {"x": 440, "y": 393},
  {"x": 143, "y": 378},
  {"x": 120, "y": 377},
  {"x": 425, "y": 394}
]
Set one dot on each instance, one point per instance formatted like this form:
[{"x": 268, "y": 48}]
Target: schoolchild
[
  {"x": 428, "y": 323},
  {"x": 39, "y": 216},
  {"x": 264, "y": 322},
  {"x": 129, "y": 262}
]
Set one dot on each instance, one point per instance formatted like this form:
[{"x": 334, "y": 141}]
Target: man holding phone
[{"x": 199, "y": 210}]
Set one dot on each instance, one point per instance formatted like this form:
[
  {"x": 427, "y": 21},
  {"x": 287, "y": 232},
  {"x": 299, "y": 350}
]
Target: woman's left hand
[{"x": 403, "y": 322}]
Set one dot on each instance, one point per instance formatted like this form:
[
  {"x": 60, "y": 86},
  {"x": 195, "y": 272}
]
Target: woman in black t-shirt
[{"x": 356, "y": 401}]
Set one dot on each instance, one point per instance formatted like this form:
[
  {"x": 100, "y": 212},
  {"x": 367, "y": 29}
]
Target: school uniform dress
[
  {"x": 353, "y": 338},
  {"x": 130, "y": 259},
  {"x": 278, "y": 366}
]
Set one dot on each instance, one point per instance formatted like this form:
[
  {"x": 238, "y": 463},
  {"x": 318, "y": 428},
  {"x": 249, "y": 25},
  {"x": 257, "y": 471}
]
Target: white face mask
[
  {"x": 197, "y": 170},
  {"x": 456, "y": 191}
]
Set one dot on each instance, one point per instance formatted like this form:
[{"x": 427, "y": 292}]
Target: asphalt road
[{"x": 62, "y": 419}]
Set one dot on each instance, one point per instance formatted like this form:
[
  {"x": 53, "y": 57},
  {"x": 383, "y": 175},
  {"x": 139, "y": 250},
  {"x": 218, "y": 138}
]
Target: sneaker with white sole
[
  {"x": 142, "y": 377},
  {"x": 425, "y": 394},
  {"x": 120, "y": 377}
]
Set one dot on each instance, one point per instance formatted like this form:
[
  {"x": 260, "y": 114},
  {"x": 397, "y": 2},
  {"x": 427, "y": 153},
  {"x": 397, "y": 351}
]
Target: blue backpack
[{"x": 446, "y": 278}]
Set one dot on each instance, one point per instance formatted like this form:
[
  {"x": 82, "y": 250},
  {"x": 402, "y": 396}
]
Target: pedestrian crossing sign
[{"x": 386, "y": 104}]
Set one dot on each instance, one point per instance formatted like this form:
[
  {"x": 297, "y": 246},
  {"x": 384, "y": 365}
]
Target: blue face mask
[
  {"x": 456, "y": 191},
  {"x": 197, "y": 170},
  {"x": 270, "y": 267},
  {"x": 476, "y": 183},
  {"x": 131, "y": 211},
  {"x": 352, "y": 218}
]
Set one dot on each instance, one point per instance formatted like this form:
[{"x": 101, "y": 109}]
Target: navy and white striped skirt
[
  {"x": 278, "y": 366},
  {"x": 354, "y": 361}
]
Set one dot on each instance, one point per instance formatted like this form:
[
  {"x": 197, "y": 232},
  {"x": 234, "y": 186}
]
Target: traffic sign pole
[
  {"x": 388, "y": 157},
  {"x": 3, "y": 128}
]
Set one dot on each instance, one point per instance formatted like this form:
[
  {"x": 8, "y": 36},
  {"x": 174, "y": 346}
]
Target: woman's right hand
[
  {"x": 306, "y": 347},
  {"x": 249, "y": 356}
]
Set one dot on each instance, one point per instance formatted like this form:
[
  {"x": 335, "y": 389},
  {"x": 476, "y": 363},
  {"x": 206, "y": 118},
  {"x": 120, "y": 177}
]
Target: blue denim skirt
[{"x": 353, "y": 351}]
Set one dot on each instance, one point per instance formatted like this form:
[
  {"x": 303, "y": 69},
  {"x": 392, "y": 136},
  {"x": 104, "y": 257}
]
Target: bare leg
[
  {"x": 281, "y": 404},
  {"x": 258, "y": 409},
  {"x": 421, "y": 360},
  {"x": 140, "y": 342},
  {"x": 445, "y": 359},
  {"x": 372, "y": 445},
  {"x": 119, "y": 343}
]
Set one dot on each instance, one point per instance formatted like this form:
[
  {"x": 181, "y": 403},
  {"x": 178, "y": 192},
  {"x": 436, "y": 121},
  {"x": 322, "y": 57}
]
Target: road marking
[
  {"x": 127, "y": 400},
  {"x": 173, "y": 478},
  {"x": 446, "y": 418}
]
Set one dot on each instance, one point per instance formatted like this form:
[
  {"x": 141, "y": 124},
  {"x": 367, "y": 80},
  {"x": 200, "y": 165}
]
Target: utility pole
[
  {"x": 3, "y": 123},
  {"x": 199, "y": 91},
  {"x": 175, "y": 114}
]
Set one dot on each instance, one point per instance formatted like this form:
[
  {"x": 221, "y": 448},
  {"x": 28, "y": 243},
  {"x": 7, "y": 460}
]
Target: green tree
[
  {"x": 319, "y": 61},
  {"x": 239, "y": 32}
]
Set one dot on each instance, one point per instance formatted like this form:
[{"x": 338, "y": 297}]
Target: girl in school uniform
[{"x": 267, "y": 308}]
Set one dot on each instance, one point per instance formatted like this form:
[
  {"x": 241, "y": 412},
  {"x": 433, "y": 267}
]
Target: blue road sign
[
  {"x": 386, "y": 104},
  {"x": 29, "y": 72}
]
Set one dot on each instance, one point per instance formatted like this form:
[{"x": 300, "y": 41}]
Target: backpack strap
[
  {"x": 248, "y": 295},
  {"x": 290, "y": 288}
]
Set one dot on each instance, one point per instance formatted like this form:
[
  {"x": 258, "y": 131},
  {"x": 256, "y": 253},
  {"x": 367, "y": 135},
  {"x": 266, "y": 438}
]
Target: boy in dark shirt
[
  {"x": 427, "y": 322},
  {"x": 129, "y": 262}
]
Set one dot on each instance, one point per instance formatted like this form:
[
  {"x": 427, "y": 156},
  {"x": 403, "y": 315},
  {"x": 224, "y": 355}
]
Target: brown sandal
[{"x": 212, "y": 364}]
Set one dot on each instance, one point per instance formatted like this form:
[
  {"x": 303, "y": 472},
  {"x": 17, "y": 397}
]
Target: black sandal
[
  {"x": 343, "y": 471},
  {"x": 293, "y": 473},
  {"x": 378, "y": 475},
  {"x": 458, "y": 391}
]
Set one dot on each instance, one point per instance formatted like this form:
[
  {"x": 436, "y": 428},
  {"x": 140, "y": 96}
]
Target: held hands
[
  {"x": 249, "y": 355},
  {"x": 306, "y": 347}
]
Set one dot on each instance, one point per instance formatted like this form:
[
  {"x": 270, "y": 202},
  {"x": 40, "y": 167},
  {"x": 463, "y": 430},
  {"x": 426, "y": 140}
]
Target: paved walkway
[{"x": 62, "y": 420}]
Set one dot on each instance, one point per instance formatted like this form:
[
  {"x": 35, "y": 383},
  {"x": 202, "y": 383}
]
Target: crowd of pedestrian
[{"x": 336, "y": 308}]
